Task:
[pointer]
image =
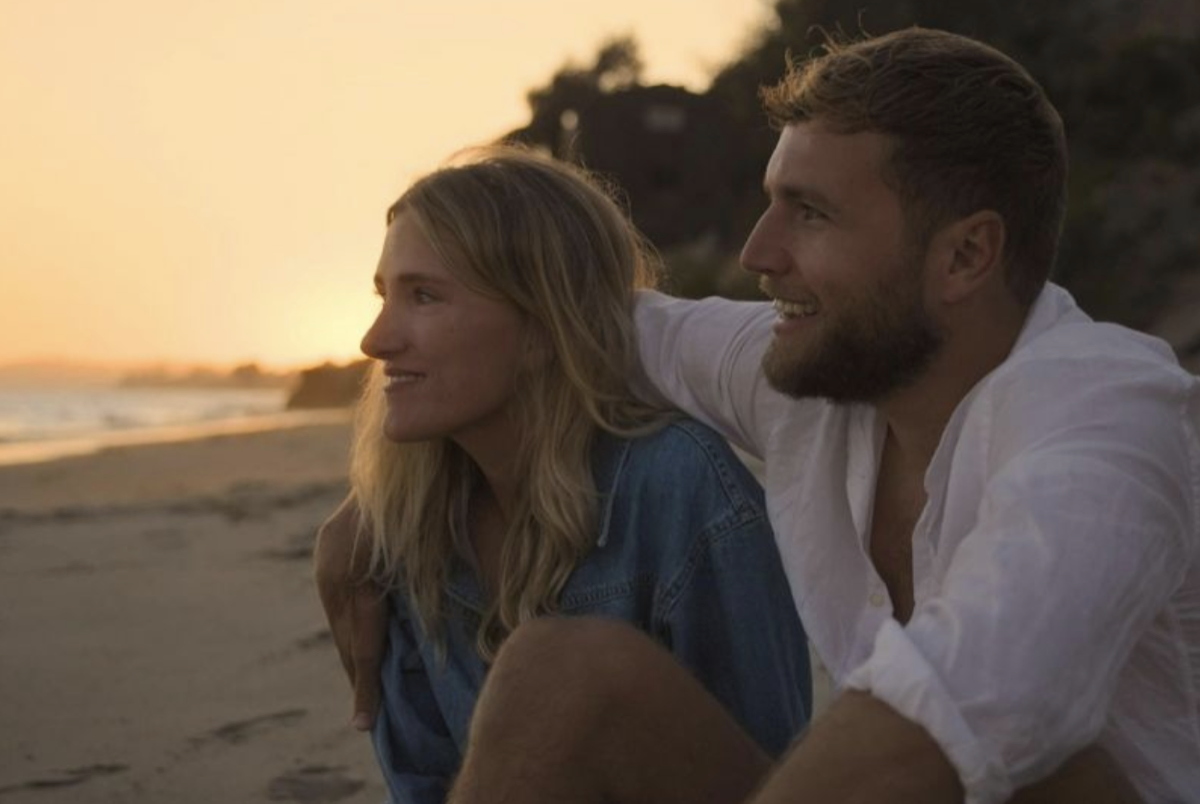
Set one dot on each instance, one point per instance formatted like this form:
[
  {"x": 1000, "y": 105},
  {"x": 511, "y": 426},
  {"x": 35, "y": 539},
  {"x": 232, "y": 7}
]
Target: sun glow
[{"x": 207, "y": 181}]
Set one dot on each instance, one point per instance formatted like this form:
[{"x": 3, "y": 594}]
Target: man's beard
[{"x": 879, "y": 344}]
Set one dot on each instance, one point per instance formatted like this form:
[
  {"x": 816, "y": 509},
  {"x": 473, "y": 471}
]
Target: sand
[{"x": 160, "y": 635}]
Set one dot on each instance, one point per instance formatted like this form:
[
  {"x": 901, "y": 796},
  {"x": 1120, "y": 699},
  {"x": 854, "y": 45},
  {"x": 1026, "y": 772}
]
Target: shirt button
[{"x": 877, "y": 599}]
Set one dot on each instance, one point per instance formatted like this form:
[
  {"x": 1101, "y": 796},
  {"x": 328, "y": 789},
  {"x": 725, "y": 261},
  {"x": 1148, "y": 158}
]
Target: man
[{"x": 987, "y": 504}]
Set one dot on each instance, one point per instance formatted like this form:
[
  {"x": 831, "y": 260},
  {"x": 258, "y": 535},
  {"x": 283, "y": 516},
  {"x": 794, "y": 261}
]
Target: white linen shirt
[{"x": 1055, "y": 567}]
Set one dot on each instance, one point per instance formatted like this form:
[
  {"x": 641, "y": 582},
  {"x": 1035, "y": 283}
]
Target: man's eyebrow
[{"x": 799, "y": 193}]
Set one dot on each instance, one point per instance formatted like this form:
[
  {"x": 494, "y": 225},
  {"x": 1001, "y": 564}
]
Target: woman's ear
[
  {"x": 538, "y": 347},
  {"x": 970, "y": 254}
]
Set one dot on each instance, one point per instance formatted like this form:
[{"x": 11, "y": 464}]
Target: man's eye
[{"x": 807, "y": 212}]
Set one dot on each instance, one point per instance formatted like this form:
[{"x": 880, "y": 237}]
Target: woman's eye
[{"x": 422, "y": 296}]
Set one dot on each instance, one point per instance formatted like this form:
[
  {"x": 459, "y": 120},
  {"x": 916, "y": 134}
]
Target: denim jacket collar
[{"x": 608, "y": 462}]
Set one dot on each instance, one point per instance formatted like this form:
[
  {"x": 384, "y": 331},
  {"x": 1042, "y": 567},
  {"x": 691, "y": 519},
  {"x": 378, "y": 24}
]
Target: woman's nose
[{"x": 383, "y": 336}]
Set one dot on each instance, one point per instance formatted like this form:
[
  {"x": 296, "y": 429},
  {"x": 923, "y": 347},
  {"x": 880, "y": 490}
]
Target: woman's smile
[{"x": 449, "y": 354}]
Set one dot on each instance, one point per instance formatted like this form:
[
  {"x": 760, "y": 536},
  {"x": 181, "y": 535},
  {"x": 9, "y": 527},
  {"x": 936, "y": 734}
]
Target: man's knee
[
  {"x": 575, "y": 654},
  {"x": 561, "y": 678}
]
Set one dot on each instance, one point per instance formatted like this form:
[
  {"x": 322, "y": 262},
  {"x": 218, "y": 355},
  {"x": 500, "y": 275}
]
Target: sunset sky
[{"x": 205, "y": 181}]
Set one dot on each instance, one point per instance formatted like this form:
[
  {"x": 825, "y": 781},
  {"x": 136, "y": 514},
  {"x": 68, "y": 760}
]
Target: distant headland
[{"x": 327, "y": 385}]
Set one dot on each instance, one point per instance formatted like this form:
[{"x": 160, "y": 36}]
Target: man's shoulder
[
  {"x": 1059, "y": 331},
  {"x": 1092, "y": 381},
  {"x": 1084, "y": 356},
  {"x": 1088, "y": 339}
]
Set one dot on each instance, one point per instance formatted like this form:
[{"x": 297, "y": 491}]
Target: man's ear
[{"x": 969, "y": 252}]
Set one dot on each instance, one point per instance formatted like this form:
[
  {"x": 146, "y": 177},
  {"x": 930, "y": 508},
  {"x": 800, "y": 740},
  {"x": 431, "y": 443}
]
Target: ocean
[{"x": 38, "y": 424}]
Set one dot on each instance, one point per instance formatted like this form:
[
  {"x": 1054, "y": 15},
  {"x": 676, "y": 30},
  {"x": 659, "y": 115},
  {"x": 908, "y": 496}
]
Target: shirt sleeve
[
  {"x": 704, "y": 358},
  {"x": 1086, "y": 526},
  {"x": 725, "y": 610},
  {"x": 416, "y": 752}
]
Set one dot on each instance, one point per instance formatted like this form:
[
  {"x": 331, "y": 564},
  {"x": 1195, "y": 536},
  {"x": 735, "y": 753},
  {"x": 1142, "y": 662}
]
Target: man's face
[{"x": 833, "y": 251}]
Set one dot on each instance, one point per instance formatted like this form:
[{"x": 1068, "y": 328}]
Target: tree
[
  {"x": 1124, "y": 74},
  {"x": 555, "y": 107}
]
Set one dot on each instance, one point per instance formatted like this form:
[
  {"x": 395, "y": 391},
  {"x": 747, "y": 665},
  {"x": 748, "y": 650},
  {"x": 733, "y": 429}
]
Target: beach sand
[{"x": 160, "y": 635}]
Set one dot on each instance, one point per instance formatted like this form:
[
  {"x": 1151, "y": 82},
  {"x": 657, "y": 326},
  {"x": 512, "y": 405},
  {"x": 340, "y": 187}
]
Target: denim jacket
[{"x": 684, "y": 553}]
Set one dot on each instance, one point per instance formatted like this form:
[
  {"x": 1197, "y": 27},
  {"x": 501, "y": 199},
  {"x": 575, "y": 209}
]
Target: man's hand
[{"x": 354, "y": 607}]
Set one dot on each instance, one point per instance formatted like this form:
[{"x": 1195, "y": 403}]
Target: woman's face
[{"x": 450, "y": 354}]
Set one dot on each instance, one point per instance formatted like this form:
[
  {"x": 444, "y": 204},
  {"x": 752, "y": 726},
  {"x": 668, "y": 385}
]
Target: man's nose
[{"x": 765, "y": 251}]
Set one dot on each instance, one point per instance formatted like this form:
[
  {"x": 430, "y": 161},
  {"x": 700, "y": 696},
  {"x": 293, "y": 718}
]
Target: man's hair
[
  {"x": 969, "y": 130},
  {"x": 546, "y": 238}
]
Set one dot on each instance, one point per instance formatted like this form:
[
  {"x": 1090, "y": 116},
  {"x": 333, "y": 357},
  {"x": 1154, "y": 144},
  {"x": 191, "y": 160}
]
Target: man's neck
[{"x": 917, "y": 414}]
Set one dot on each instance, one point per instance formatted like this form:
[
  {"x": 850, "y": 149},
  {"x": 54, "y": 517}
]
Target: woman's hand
[{"x": 354, "y": 607}]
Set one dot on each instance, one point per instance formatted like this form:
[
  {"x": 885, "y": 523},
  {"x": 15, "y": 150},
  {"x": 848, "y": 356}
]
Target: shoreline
[
  {"x": 225, "y": 460},
  {"x": 22, "y": 453}
]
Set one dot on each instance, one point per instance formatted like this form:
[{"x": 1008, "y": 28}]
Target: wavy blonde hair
[{"x": 547, "y": 238}]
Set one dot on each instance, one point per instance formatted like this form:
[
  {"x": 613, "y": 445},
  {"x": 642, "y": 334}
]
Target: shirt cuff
[{"x": 897, "y": 674}]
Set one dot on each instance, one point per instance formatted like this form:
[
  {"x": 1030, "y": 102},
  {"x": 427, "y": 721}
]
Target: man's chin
[
  {"x": 808, "y": 380},
  {"x": 788, "y": 377}
]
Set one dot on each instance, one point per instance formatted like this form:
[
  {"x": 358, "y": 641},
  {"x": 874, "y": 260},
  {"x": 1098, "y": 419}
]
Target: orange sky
[{"x": 205, "y": 181}]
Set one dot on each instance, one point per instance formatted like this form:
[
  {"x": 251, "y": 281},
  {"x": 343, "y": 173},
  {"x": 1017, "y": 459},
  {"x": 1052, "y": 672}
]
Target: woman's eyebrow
[{"x": 417, "y": 277}]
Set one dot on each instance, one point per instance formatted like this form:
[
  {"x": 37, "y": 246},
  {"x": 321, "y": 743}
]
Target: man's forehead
[{"x": 812, "y": 153}]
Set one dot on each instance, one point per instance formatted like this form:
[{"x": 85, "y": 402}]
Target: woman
[{"x": 504, "y": 470}]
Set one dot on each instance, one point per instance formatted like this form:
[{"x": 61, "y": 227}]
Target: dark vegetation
[{"x": 1125, "y": 74}]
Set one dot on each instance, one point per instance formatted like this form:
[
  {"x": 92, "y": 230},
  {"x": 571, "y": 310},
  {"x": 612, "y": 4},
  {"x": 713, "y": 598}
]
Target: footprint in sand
[
  {"x": 322, "y": 639},
  {"x": 66, "y": 778},
  {"x": 239, "y": 731},
  {"x": 313, "y": 784},
  {"x": 299, "y": 547}
]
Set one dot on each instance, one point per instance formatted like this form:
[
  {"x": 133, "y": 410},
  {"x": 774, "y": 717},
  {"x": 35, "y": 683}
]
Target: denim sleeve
[
  {"x": 416, "y": 753},
  {"x": 728, "y": 616}
]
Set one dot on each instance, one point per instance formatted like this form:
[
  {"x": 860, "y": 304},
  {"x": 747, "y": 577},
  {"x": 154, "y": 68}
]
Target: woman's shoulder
[
  {"x": 687, "y": 463},
  {"x": 669, "y": 498},
  {"x": 683, "y": 437}
]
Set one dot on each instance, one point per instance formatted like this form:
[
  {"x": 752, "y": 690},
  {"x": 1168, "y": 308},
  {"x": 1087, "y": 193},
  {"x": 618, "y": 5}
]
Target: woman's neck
[
  {"x": 494, "y": 453},
  {"x": 493, "y": 500},
  {"x": 487, "y": 529}
]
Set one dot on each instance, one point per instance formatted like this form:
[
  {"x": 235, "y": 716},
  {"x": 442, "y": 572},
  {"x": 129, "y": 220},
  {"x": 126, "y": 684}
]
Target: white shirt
[{"x": 1055, "y": 569}]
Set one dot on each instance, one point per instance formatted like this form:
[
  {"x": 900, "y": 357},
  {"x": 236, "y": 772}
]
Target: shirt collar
[
  {"x": 609, "y": 456},
  {"x": 1051, "y": 306}
]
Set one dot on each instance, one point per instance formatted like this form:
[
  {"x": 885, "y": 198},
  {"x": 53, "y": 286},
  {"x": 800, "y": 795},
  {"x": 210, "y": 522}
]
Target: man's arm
[
  {"x": 704, "y": 358},
  {"x": 354, "y": 607},
  {"x": 1081, "y": 535}
]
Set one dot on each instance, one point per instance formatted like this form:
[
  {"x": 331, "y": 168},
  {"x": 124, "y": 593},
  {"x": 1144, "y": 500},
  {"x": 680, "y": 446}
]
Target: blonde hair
[{"x": 548, "y": 239}]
